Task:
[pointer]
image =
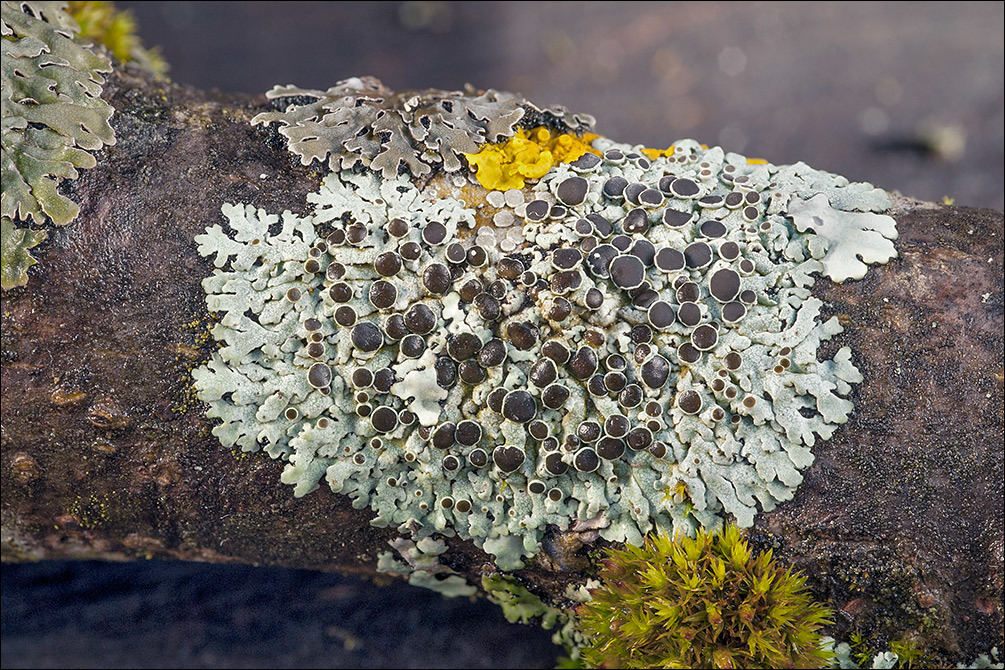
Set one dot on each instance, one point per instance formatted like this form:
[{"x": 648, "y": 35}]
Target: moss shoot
[{"x": 703, "y": 602}]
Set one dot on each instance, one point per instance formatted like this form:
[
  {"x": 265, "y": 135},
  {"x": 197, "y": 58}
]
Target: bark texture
[{"x": 107, "y": 454}]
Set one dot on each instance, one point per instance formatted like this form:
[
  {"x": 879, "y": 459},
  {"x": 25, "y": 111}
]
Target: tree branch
[{"x": 107, "y": 453}]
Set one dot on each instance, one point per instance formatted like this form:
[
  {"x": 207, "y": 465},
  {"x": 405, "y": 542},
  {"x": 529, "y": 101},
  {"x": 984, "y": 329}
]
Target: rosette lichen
[{"x": 629, "y": 341}]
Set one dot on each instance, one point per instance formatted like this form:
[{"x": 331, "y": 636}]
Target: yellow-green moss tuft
[
  {"x": 703, "y": 602},
  {"x": 101, "y": 23}
]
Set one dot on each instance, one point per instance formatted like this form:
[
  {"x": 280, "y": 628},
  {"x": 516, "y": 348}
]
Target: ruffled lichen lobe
[
  {"x": 360, "y": 121},
  {"x": 52, "y": 110},
  {"x": 15, "y": 244}
]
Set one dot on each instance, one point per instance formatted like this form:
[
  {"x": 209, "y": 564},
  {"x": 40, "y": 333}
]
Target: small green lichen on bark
[
  {"x": 15, "y": 259},
  {"x": 53, "y": 115}
]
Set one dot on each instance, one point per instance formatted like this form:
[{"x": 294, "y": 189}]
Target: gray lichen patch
[
  {"x": 53, "y": 114},
  {"x": 644, "y": 354},
  {"x": 359, "y": 120}
]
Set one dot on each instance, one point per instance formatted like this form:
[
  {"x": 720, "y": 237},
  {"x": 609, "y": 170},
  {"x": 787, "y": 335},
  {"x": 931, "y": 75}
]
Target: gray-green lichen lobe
[
  {"x": 53, "y": 119},
  {"x": 52, "y": 110}
]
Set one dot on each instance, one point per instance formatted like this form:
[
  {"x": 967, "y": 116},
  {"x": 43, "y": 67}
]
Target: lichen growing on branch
[
  {"x": 53, "y": 117},
  {"x": 627, "y": 342},
  {"x": 361, "y": 121}
]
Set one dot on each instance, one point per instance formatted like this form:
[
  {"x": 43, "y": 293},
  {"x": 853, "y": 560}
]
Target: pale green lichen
[
  {"x": 423, "y": 568},
  {"x": 994, "y": 661},
  {"x": 853, "y": 239},
  {"x": 15, "y": 259},
  {"x": 519, "y": 605},
  {"x": 53, "y": 115},
  {"x": 633, "y": 344},
  {"x": 846, "y": 659}
]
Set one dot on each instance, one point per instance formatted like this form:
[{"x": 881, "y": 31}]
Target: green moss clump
[
  {"x": 703, "y": 602},
  {"x": 102, "y": 23}
]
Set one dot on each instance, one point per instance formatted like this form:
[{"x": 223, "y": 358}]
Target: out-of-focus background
[{"x": 906, "y": 95}]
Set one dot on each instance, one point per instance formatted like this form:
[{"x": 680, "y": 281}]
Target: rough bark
[{"x": 107, "y": 454}]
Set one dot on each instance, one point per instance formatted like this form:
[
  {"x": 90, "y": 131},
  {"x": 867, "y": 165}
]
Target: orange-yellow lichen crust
[
  {"x": 526, "y": 155},
  {"x": 653, "y": 154}
]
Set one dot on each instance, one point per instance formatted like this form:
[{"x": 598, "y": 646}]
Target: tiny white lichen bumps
[{"x": 644, "y": 353}]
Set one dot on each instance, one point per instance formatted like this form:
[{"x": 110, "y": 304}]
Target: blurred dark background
[{"x": 906, "y": 95}]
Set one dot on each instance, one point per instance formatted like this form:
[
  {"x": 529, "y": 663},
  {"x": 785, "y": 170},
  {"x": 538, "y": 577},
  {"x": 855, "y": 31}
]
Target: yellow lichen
[
  {"x": 90, "y": 512},
  {"x": 526, "y": 155},
  {"x": 653, "y": 154}
]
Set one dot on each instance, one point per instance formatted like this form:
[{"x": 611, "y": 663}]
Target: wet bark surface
[{"x": 106, "y": 452}]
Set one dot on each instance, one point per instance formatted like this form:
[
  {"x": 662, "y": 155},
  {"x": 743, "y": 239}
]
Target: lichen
[
  {"x": 53, "y": 114},
  {"x": 519, "y": 605},
  {"x": 846, "y": 658},
  {"x": 359, "y": 120},
  {"x": 423, "y": 568},
  {"x": 629, "y": 343},
  {"x": 854, "y": 239},
  {"x": 524, "y": 156},
  {"x": 15, "y": 259}
]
